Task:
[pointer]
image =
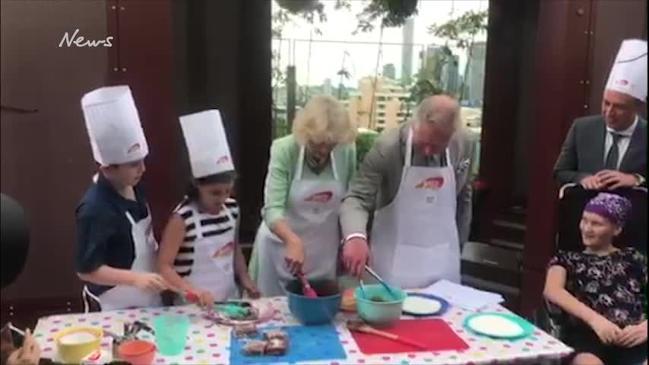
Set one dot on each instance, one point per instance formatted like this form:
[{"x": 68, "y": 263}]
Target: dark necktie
[{"x": 613, "y": 153}]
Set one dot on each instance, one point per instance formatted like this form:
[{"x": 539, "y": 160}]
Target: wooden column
[
  {"x": 144, "y": 52},
  {"x": 255, "y": 106},
  {"x": 501, "y": 98},
  {"x": 561, "y": 96}
]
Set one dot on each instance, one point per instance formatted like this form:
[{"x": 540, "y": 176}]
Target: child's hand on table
[
  {"x": 250, "y": 288},
  {"x": 205, "y": 299},
  {"x": 150, "y": 281}
]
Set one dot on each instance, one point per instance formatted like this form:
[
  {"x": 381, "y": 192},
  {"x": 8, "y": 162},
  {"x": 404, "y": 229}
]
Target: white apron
[
  {"x": 312, "y": 213},
  {"x": 414, "y": 239},
  {"x": 213, "y": 267},
  {"x": 122, "y": 296}
]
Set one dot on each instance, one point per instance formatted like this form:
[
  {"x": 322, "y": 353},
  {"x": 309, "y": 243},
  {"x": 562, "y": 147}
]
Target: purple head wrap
[{"x": 613, "y": 207}]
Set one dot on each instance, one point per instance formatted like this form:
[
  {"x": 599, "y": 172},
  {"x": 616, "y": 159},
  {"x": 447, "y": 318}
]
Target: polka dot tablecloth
[{"x": 209, "y": 343}]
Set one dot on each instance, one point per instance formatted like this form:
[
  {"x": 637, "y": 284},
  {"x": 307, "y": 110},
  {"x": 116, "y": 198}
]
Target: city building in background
[
  {"x": 378, "y": 104},
  {"x": 379, "y": 76},
  {"x": 407, "y": 39},
  {"x": 450, "y": 77},
  {"x": 389, "y": 71},
  {"x": 474, "y": 84}
]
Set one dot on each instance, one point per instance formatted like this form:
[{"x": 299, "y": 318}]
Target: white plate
[
  {"x": 497, "y": 326},
  {"x": 421, "y": 305}
]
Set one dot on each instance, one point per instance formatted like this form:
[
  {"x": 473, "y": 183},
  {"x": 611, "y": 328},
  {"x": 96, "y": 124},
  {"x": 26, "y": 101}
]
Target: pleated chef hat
[
  {"x": 113, "y": 124},
  {"x": 629, "y": 72},
  {"x": 207, "y": 144}
]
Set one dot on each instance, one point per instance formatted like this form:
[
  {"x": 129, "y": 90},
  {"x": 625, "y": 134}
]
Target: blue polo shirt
[{"x": 104, "y": 231}]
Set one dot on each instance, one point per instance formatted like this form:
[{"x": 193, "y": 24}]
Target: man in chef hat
[
  {"x": 609, "y": 151},
  {"x": 116, "y": 249},
  {"x": 199, "y": 252}
]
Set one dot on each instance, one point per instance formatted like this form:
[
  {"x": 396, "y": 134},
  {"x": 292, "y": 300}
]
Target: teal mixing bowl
[
  {"x": 378, "y": 307},
  {"x": 314, "y": 311}
]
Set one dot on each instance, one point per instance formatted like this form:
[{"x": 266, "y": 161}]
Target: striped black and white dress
[{"x": 199, "y": 223}]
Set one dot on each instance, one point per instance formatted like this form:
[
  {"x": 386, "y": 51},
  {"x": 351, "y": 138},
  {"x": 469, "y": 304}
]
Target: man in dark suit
[{"x": 609, "y": 151}]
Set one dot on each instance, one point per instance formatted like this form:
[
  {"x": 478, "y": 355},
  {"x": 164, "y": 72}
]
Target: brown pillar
[
  {"x": 561, "y": 96},
  {"x": 142, "y": 59}
]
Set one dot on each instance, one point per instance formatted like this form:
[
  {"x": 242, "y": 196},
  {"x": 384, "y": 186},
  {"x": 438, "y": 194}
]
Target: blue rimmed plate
[{"x": 424, "y": 305}]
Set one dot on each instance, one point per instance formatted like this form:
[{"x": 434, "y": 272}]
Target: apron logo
[
  {"x": 225, "y": 250},
  {"x": 323, "y": 197},
  {"x": 133, "y": 148},
  {"x": 222, "y": 159},
  {"x": 432, "y": 183}
]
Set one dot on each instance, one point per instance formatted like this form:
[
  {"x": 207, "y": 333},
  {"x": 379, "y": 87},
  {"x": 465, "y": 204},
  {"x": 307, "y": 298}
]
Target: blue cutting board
[{"x": 306, "y": 343}]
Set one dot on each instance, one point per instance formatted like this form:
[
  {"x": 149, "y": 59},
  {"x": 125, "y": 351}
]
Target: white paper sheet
[{"x": 463, "y": 296}]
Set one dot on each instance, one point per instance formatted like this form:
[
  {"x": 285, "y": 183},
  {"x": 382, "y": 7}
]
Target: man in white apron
[
  {"x": 115, "y": 244},
  {"x": 416, "y": 183}
]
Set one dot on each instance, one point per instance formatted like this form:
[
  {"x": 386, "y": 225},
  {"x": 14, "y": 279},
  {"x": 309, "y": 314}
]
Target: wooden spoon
[{"x": 358, "y": 326}]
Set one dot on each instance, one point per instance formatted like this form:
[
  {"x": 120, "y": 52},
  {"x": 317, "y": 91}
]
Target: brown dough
[
  {"x": 276, "y": 347},
  {"x": 254, "y": 348},
  {"x": 276, "y": 334},
  {"x": 245, "y": 330}
]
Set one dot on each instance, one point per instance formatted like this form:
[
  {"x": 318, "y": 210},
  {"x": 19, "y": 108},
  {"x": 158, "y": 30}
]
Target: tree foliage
[
  {"x": 387, "y": 13},
  {"x": 463, "y": 29}
]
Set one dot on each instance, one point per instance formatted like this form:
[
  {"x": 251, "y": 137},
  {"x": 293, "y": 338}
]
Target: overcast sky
[{"x": 326, "y": 58}]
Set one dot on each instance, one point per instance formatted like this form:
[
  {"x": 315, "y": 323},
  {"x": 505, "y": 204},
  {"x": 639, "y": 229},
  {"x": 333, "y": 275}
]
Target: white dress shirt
[{"x": 622, "y": 144}]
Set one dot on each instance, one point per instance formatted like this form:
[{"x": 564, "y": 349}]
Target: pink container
[{"x": 137, "y": 352}]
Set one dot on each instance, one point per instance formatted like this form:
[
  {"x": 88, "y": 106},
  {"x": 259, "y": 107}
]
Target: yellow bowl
[{"x": 72, "y": 352}]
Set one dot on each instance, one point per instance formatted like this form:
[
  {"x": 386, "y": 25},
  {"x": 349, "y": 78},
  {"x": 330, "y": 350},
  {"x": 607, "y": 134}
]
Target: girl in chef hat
[
  {"x": 601, "y": 289},
  {"x": 199, "y": 252}
]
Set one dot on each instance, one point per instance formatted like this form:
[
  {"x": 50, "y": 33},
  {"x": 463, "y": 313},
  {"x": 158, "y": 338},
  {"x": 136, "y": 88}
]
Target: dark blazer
[{"x": 582, "y": 153}]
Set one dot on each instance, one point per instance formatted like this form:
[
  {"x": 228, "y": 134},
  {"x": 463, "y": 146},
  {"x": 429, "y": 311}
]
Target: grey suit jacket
[
  {"x": 582, "y": 153},
  {"x": 378, "y": 178}
]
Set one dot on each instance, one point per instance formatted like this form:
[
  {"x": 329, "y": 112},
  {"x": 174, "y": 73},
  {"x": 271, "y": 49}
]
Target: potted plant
[{"x": 300, "y": 6}]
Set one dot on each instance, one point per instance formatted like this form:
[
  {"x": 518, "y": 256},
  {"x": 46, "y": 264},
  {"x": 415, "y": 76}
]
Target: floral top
[{"x": 612, "y": 285}]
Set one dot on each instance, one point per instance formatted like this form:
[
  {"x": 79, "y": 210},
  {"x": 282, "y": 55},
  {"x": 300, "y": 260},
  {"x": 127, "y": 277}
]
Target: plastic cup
[{"x": 171, "y": 334}]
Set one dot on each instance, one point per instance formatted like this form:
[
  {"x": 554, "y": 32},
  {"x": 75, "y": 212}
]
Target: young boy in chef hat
[
  {"x": 116, "y": 249},
  {"x": 199, "y": 252}
]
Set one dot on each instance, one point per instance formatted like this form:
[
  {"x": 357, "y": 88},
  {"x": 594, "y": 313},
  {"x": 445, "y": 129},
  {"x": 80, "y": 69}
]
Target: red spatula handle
[
  {"x": 191, "y": 297},
  {"x": 307, "y": 290}
]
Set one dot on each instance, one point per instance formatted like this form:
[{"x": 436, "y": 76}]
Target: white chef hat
[
  {"x": 629, "y": 72},
  {"x": 113, "y": 124},
  {"x": 207, "y": 144}
]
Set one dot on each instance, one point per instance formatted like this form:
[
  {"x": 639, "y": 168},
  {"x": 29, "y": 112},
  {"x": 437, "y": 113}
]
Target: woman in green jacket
[{"x": 307, "y": 178}]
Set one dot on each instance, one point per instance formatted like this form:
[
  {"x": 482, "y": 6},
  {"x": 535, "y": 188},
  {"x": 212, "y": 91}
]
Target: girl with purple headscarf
[{"x": 601, "y": 288}]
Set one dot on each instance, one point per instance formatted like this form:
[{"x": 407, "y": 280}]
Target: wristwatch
[{"x": 640, "y": 179}]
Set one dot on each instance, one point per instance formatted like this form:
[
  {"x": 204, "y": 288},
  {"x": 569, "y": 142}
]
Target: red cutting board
[{"x": 436, "y": 334}]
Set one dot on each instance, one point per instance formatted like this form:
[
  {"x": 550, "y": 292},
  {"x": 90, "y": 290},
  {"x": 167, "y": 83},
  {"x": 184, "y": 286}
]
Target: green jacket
[{"x": 284, "y": 155}]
